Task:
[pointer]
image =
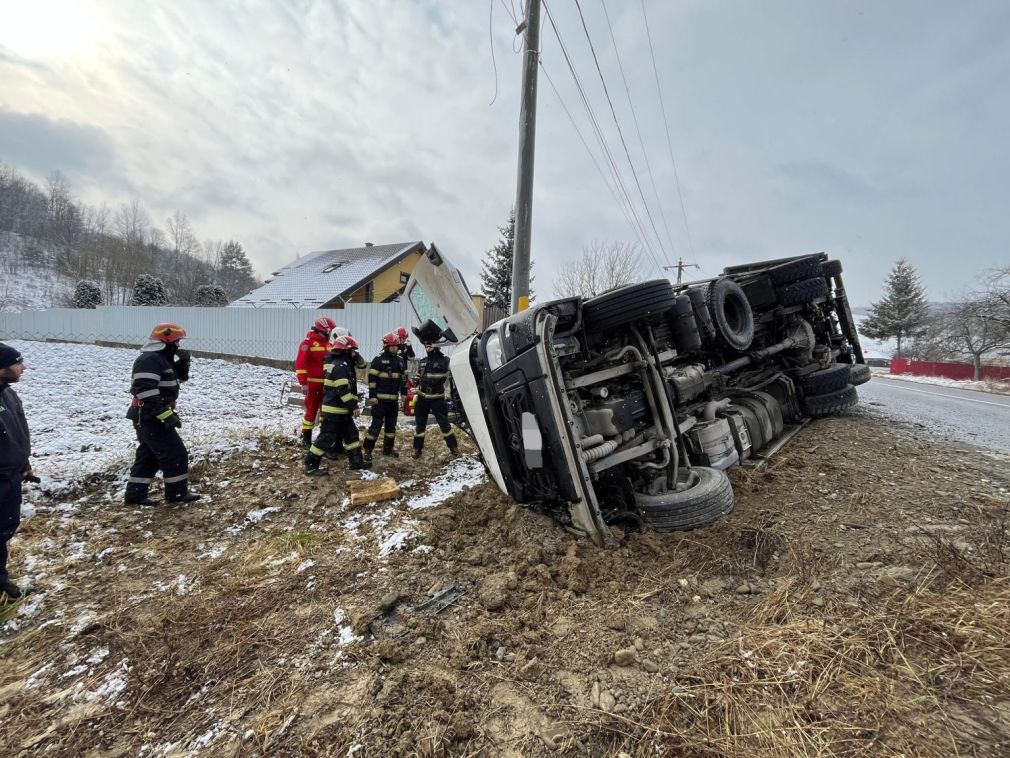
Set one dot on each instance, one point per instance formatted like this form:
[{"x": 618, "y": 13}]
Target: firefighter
[
  {"x": 309, "y": 371},
  {"x": 406, "y": 349},
  {"x": 162, "y": 365},
  {"x": 339, "y": 409},
  {"x": 15, "y": 447},
  {"x": 385, "y": 385},
  {"x": 431, "y": 397}
]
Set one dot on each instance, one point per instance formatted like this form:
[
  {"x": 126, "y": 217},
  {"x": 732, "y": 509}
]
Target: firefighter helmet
[
  {"x": 345, "y": 342},
  {"x": 324, "y": 324},
  {"x": 167, "y": 332},
  {"x": 339, "y": 331},
  {"x": 391, "y": 340},
  {"x": 402, "y": 333}
]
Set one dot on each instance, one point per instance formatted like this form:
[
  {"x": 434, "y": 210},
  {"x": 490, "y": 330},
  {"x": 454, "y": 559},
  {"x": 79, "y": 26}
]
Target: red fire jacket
[{"x": 309, "y": 363}]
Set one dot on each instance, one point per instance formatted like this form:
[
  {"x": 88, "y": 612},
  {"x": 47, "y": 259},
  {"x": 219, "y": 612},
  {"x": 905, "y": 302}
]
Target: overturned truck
[{"x": 629, "y": 407}]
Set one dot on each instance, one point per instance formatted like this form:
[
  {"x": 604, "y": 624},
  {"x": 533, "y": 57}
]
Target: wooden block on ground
[{"x": 373, "y": 490}]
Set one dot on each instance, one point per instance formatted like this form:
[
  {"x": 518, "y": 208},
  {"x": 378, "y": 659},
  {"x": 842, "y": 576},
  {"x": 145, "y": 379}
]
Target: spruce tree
[
  {"x": 149, "y": 290},
  {"x": 211, "y": 296},
  {"x": 235, "y": 271},
  {"x": 496, "y": 270},
  {"x": 87, "y": 294},
  {"x": 903, "y": 310}
]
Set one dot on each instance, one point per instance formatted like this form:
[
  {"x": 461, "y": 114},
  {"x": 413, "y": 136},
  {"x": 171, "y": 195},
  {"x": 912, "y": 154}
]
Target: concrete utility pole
[{"x": 527, "y": 132}]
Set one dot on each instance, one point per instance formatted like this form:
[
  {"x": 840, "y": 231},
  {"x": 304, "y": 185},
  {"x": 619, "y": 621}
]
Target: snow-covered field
[
  {"x": 1000, "y": 388},
  {"x": 76, "y": 397}
]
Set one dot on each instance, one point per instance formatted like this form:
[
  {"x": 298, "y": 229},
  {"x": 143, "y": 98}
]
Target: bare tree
[
  {"x": 601, "y": 267},
  {"x": 997, "y": 294},
  {"x": 973, "y": 329}
]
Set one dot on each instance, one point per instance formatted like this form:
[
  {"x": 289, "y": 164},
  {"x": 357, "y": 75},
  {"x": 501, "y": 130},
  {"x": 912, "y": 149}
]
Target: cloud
[{"x": 41, "y": 144}]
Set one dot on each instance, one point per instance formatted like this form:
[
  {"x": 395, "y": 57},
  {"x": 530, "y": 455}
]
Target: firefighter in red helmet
[
  {"x": 157, "y": 373},
  {"x": 385, "y": 385},
  {"x": 310, "y": 373},
  {"x": 339, "y": 409}
]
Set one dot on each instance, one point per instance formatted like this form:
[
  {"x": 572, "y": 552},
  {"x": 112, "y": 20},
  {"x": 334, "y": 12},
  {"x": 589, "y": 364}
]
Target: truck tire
[
  {"x": 684, "y": 329},
  {"x": 830, "y": 379},
  {"x": 803, "y": 291},
  {"x": 708, "y": 499},
  {"x": 860, "y": 374},
  {"x": 731, "y": 313},
  {"x": 838, "y": 401},
  {"x": 626, "y": 304},
  {"x": 702, "y": 318},
  {"x": 831, "y": 268},
  {"x": 794, "y": 271}
]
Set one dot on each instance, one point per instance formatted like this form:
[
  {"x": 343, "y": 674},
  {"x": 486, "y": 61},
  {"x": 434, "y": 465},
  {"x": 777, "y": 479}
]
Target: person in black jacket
[
  {"x": 431, "y": 398},
  {"x": 162, "y": 365},
  {"x": 385, "y": 385},
  {"x": 339, "y": 409},
  {"x": 15, "y": 448}
]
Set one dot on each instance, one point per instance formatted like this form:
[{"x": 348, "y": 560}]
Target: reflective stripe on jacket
[
  {"x": 434, "y": 372},
  {"x": 340, "y": 388},
  {"x": 385, "y": 376},
  {"x": 309, "y": 362},
  {"x": 154, "y": 385}
]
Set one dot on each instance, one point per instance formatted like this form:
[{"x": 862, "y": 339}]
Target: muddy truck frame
[{"x": 627, "y": 408}]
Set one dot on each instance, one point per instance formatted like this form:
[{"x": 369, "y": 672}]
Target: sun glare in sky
[{"x": 49, "y": 28}]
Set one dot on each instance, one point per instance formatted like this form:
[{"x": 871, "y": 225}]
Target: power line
[
  {"x": 620, "y": 133},
  {"x": 596, "y": 163},
  {"x": 638, "y": 130},
  {"x": 601, "y": 139},
  {"x": 669, "y": 142}
]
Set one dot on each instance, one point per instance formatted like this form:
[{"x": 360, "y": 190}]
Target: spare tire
[
  {"x": 831, "y": 268},
  {"x": 831, "y": 403},
  {"x": 731, "y": 313},
  {"x": 830, "y": 379},
  {"x": 803, "y": 291},
  {"x": 626, "y": 304},
  {"x": 794, "y": 271},
  {"x": 860, "y": 373},
  {"x": 702, "y": 317},
  {"x": 708, "y": 498}
]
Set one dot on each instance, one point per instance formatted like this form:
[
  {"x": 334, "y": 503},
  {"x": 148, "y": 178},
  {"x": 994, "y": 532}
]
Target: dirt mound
[{"x": 854, "y": 601}]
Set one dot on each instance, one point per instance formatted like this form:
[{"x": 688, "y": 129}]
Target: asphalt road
[{"x": 978, "y": 418}]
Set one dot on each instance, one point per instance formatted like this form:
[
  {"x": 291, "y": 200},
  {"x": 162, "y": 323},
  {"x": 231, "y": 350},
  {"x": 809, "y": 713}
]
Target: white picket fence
[{"x": 272, "y": 333}]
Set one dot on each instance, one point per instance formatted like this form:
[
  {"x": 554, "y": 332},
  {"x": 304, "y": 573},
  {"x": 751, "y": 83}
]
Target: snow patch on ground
[
  {"x": 999, "y": 388},
  {"x": 461, "y": 474}
]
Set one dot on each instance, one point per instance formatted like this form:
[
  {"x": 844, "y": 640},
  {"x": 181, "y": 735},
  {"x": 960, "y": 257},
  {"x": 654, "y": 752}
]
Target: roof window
[{"x": 333, "y": 267}]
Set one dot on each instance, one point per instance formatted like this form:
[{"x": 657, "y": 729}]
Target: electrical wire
[
  {"x": 601, "y": 139},
  {"x": 490, "y": 39},
  {"x": 592, "y": 157},
  {"x": 669, "y": 142},
  {"x": 638, "y": 130},
  {"x": 620, "y": 133}
]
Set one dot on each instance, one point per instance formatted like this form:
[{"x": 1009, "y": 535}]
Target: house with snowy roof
[{"x": 333, "y": 278}]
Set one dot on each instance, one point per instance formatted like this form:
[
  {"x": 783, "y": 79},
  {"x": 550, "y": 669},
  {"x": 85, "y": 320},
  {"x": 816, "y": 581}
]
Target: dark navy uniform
[
  {"x": 340, "y": 401},
  {"x": 431, "y": 398},
  {"x": 15, "y": 447},
  {"x": 385, "y": 384},
  {"x": 155, "y": 389}
]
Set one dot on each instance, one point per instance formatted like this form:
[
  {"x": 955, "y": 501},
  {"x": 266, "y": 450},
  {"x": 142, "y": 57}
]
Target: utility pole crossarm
[{"x": 680, "y": 268}]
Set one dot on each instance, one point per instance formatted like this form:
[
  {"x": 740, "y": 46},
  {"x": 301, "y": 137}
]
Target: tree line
[
  {"x": 116, "y": 256},
  {"x": 974, "y": 327}
]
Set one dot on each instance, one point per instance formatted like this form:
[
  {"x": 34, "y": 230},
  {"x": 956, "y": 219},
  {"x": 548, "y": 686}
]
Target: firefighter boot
[
  {"x": 312, "y": 465},
  {"x": 391, "y": 453},
  {"x": 357, "y": 460},
  {"x": 186, "y": 497},
  {"x": 306, "y": 438},
  {"x": 8, "y": 588}
]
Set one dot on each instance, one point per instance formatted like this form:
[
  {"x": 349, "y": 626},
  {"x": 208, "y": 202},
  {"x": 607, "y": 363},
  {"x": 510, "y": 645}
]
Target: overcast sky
[{"x": 870, "y": 130}]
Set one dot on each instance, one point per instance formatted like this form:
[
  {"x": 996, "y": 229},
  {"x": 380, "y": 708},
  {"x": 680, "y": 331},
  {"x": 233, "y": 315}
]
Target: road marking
[{"x": 952, "y": 397}]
